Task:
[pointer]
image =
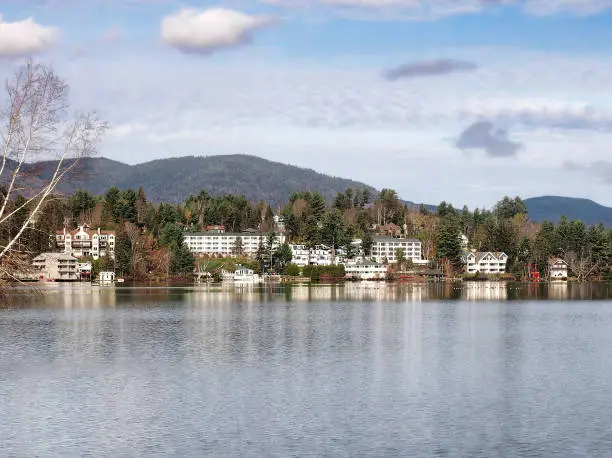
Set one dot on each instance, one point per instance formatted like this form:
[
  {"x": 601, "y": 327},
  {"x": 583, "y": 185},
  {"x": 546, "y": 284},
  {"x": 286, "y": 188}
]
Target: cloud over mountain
[
  {"x": 25, "y": 37},
  {"x": 601, "y": 169},
  {"x": 206, "y": 31},
  {"x": 484, "y": 136}
]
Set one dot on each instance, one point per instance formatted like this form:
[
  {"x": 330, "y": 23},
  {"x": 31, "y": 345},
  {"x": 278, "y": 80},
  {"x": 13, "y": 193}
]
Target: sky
[{"x": 458, "y": 100}]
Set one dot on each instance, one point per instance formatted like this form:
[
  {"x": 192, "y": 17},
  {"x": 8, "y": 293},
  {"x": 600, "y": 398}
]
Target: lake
[{"x": 356, "y": 370}]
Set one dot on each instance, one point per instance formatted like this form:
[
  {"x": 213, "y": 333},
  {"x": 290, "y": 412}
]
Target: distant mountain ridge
[
  {"x": 552, "y": 208},
  {"x": 174, "y": 179}
]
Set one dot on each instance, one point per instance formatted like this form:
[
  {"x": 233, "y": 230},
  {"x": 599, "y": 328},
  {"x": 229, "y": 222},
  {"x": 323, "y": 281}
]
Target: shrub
[
  {"x": 292, "y": 270},
  {"x": 315, "y": 273}
]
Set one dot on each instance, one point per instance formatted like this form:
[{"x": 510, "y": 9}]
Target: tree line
[{"x": 150, "y": 236}]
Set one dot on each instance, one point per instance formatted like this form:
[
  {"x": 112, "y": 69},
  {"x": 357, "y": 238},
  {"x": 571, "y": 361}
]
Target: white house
[
  {"x": 558, "y": 269},
  {"x": 365, "y": 270},
  {"x": 106, "y": 277},
  {"x": 319, "y": 255},
  {"x": 485, "y": 262},
  {"x": 84, "y": 242},
  {"x": 224, "y": 243},
  {"x": 84, "y": 269},
  {"x": 56, "y": 267},
  {"x": 241, "y": 274},
  {"x": 386, "y": 248},
  {"x": 279, "y": 222}
]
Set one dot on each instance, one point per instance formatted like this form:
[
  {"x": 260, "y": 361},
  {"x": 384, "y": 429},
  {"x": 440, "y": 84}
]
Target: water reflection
[
  {"x": 342, "y": 370},
  {"x": 84, "y": 296}
]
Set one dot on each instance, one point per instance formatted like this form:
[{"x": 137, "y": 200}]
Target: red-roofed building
[{"x": 85, "y": 242}]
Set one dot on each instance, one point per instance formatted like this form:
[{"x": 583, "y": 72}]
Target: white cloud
[
  {"x": 205, "y": 31},
  {"x": 25, "y": 37},
  {"x": 434, "y": 9},
  {"x": 579, "y": 7}
]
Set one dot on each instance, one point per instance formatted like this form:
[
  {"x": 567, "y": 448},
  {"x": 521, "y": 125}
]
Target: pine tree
[
  {"x": 238, "y": 248},
  {"x": 449, "y": 245},
  {"x": 123, "y": 253},
  {"x": 182, "y": 261}
]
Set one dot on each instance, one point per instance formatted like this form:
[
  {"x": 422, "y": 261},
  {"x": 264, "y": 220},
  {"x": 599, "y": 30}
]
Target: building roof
[
  {"x": 224, "y": 234},
  {"x": 84, "y": 229},
  {"x": 365, "y": 262},
  {"x": 390, "y": 227},
  {"x": 480, "y": 255},
  {"x": 386, "y": 238},
  {"x": 55, "y": 256}
]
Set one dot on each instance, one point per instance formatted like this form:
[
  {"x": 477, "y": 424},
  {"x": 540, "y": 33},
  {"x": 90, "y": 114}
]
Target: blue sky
[{"x": 462, "y": 100}]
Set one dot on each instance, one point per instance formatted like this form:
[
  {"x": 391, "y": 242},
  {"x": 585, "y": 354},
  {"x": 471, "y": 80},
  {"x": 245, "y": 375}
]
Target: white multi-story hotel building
[
  {"x": 216, "y": 243},
  {"x": 84, "y": 242},
  {"x": 485, "y": 262},
  {"x": 385, "y": 249}
]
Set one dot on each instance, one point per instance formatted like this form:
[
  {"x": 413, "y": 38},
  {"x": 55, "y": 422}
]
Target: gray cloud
[
  {"x": 600, "y": 169},
  {"x": 429, "y": 68},
  {"x": 483, "y": 135}
]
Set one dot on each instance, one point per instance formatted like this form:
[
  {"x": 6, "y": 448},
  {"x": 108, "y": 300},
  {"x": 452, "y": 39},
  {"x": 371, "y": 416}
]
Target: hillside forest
[{"x": 150, "y": 236}]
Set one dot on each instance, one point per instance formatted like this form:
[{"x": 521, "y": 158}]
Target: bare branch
[{"x": 37, "y": 127}]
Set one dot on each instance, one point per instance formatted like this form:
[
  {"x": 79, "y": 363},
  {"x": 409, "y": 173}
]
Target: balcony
[{"x": 81, "y": 244}]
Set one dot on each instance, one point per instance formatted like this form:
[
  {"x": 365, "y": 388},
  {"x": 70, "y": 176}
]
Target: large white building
[
  {"x": 485, "y": 262},
  {"x": 365, "y": 270},
  {"x": 219, "y": 243},
  {"x": 385, "y": 249},
  {"x": 56, "y": 267},
  {"x": 85, "y": 242}
]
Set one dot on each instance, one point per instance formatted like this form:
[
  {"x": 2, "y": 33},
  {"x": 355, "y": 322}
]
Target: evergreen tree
[
  {"x": 260, "y": 256},
  {"x": 400, "y": 257},
  {"x": 171, "y": 234},
  {"x": 366, "y": 243},
  {"x": 182, "y": 261},
  {"x": 284, "y": 255},
  {"x": 449, "y": 245},
  {"x": 141, "y": 207},
  {"x": 111, "y": 203},
  {"x": 366, "y": 197},
  {"x": 333, "y": 231},
  {"x": 238, "y": 248},
  {"x": 509, "y": 208},
  {"x": 123, "y": 253}
]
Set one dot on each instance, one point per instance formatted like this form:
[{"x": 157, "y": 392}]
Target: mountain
[
  {"x": 551, "y": 208},
  {"x": 172, "y": 180}
]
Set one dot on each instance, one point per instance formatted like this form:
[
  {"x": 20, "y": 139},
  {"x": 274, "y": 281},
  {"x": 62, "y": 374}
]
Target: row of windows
[{"x": 233, "y": 238}]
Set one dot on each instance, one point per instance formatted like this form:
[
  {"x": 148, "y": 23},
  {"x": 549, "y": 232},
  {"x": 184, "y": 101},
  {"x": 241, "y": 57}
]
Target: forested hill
[
  {"x": 552, "y": 208},
  {"x": 172, "y": 180}
]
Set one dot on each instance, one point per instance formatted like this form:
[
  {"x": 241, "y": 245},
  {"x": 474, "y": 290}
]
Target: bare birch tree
[
  {"x": 36, "y": 124},
  {"x": 581, "y": 263}
]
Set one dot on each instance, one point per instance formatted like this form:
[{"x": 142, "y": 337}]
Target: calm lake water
[{"x": 484, "y": 370}]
